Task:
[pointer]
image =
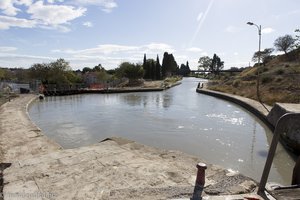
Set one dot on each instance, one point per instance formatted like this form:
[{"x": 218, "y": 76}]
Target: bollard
[{"x": 200, "y": 181}]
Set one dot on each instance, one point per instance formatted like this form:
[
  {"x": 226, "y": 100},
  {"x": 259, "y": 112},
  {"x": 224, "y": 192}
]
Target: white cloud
[
  {"x": 267, "y": 30},
  {"x": 53, "y": 1},
  {"x": 88, "y": 24},
  {"x": 236, "y": 53},
  {"x": 6, "y": 22},
  {"x": 24, "y": 2},
  {"x": 111, "y": 55},
  {"x": 181, "y": 59},
  {"x": 20, "y": 60},
  {"x": 24, "y": 56},
  {"x": 161, "y": 47},
  {"x": 106, "y": 5},
  {"x": 43, "y": 15},
  {"x": 286, "y": 14},
  {"x": 60, "y": 28},
  {"x": 107, "y": 49},
  {"x": 7, "y": 49},
  {"x": 47, "y": 14},
  {"x": 8, "y": 8},
  {"x": 54, "y": 14},
  {"x": 194, "y": 49}
]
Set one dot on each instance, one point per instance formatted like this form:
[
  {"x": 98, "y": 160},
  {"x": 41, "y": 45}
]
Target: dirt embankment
[{"x": 279, "y": 81}]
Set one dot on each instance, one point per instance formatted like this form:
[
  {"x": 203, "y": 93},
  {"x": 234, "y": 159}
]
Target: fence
[{"x": 12, "y": 87}]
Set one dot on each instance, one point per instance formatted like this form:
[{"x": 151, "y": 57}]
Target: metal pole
[
  {"x": 200, "y": 181},
  {"x": 259, "y": 43},
  {"x": 284, "y": 121},
  {"x": 258, "y": 67}
]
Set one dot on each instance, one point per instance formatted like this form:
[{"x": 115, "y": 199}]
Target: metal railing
[{"x": 282, "y": 126}]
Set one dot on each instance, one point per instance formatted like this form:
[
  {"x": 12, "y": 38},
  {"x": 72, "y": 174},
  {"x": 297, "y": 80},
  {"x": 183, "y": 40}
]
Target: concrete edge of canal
[
  {"x": 267, "y": 114},
  {"x": 116, "y": 168}
]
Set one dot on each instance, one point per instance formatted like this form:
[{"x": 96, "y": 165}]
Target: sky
[{"x": 108, "y": 32}]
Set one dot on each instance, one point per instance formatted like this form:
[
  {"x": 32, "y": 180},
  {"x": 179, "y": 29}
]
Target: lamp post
[{"x": 258, "y": 68}]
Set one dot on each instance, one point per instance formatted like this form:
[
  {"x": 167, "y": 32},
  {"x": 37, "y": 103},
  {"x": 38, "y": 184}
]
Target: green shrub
[
  {"x": 253, "y": 83},
  {"x": 278, "y": 79},
  {"x": 236, "y": 83},
  {"x": 228, "y": 82},
  {"x": 264, "y": 69},
  {"x": 266, "y": 79},
  {"x": 280, "y": 71},
  {"x": 249, "y": 77}
]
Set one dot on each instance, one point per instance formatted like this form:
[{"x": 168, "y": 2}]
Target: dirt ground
[
  {"x": 153, "y": 84},
  {"x": 2, "y": 100}
]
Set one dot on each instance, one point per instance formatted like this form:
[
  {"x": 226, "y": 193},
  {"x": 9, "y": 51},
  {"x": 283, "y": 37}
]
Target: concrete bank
[
  {"x": 101, "y": 91},
  {"x": 112, "y": 169},
  {"x": 291, "y": 136},
  {"x": 269, "y": 115},
  {"x": 160, "y": 88},
  {"x": 20, "y": 138},
  {"x": 251, "y": 105}
]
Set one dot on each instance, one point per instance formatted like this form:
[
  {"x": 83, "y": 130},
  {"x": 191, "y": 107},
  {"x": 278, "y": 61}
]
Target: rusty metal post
[{"x": 200, "y": 181}]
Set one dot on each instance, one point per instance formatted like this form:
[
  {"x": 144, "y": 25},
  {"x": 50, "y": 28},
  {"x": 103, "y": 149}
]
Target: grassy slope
[{"x": 279, "y": 81}]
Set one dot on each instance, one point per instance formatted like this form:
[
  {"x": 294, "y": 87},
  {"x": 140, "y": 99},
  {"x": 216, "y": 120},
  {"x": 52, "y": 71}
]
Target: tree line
[
  {"x": 60, "y": 71},
  {"x": 153, "y": 70},
  {"x": 285, "y": 43},
  {"x": 214, "y": 64}
]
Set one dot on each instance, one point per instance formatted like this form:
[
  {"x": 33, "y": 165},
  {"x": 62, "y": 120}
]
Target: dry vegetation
[
  {"x": 279, "y": 80},
  {"x": 169, "y": 81}
]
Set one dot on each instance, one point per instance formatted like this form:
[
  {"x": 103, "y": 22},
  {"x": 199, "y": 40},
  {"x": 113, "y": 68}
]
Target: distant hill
[{"x": 279, "y": 80}]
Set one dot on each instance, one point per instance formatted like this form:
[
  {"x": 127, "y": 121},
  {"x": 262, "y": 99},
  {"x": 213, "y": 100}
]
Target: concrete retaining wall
[
  {"x": 291, "y": 138},
  {"x": 253, "y": 106}
]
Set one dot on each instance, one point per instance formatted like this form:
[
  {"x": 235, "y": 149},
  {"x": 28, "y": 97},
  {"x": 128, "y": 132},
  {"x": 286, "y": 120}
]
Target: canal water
[{"x": 181, "y": 119}]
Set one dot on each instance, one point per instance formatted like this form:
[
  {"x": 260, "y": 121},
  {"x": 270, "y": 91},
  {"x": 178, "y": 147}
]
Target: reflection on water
[
  {"x": 179, "y": 118},
  {"x": 233, "y": 120},
  {"x": 138, "y": 99}
]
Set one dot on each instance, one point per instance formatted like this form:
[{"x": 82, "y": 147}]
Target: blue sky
[{"x": 89, "y": 32}]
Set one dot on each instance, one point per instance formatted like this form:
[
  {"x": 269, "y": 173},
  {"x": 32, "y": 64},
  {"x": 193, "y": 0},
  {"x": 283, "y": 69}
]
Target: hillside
[{"x": 279, "y": 80}]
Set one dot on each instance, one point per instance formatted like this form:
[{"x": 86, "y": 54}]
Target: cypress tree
[
  {"x": 213, "y": 64},
  {"x": 145, "y": 67},
  {"x": 164, "y": 65},
  {"x": 158, "y": 69},
  {"x": 144, "y": 60},
  {"x": 188, "y": 67},
  {"x": 153, "y": 70}
]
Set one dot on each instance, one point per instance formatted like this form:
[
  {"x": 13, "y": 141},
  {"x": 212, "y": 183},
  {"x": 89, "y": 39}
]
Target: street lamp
[{"x": 259, "y": 44}]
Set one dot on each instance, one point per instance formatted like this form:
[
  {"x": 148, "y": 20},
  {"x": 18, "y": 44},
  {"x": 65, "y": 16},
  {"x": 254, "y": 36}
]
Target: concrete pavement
[{"x": 112, "y": 169}]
